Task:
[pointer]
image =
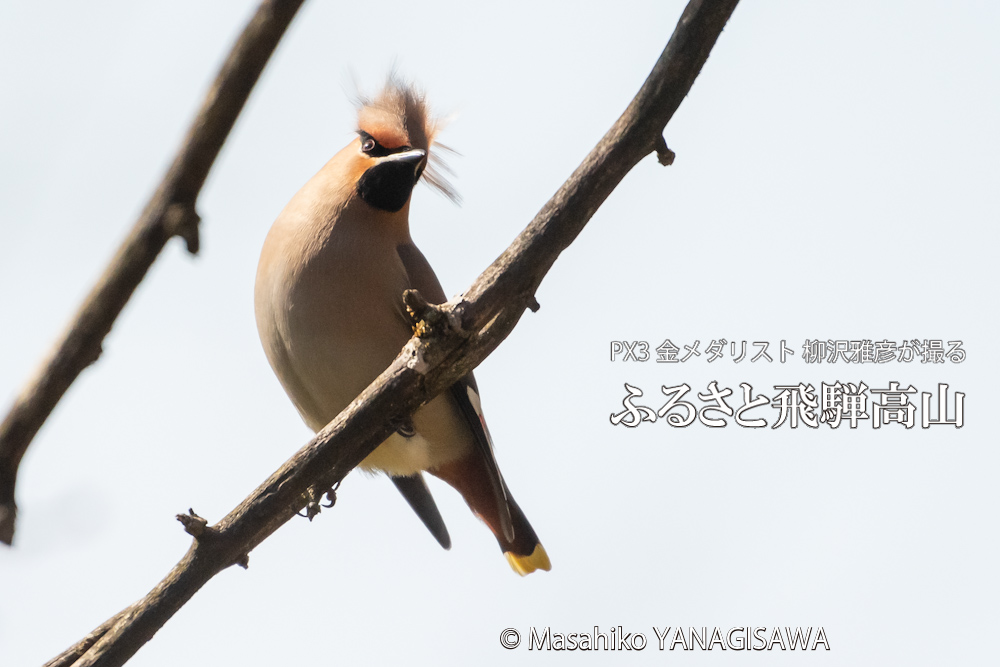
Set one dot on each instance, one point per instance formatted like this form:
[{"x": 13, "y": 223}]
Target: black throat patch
[{"x": 387, "y": 185}]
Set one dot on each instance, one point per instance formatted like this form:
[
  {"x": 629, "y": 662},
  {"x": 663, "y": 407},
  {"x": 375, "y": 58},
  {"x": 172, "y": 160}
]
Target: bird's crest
[{"x": 399, "y": 116}]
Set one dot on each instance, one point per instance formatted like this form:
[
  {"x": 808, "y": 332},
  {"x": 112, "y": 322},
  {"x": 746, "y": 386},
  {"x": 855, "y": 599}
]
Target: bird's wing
[
  {"x": 466, "y": 395},
  {"x": 415, "y": 490},
  {"x": 420, "y": 273},
  {"x": 464, "y": 392}
]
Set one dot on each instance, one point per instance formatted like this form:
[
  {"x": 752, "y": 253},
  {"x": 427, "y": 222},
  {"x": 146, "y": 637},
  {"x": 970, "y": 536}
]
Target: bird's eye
[{"x": 368, "y": 145}]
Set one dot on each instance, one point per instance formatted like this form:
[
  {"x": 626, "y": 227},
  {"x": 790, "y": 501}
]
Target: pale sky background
[{"x": 836, "y": 178}]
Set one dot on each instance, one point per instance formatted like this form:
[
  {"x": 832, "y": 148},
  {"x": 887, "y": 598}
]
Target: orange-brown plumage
[{"x": 398, "y": 116}]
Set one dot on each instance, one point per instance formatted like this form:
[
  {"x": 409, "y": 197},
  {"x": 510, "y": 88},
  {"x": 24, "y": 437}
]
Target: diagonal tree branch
[
  {"x": 170, "y": 212},
  {"x": 454, "y": 338}
]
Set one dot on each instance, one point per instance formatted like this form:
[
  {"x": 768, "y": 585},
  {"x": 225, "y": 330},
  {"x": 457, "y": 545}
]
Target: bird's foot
[{"x": 314, "y": 501}]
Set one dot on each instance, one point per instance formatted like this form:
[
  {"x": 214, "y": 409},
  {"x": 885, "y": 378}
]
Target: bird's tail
[{"x": 469, "y": 477}]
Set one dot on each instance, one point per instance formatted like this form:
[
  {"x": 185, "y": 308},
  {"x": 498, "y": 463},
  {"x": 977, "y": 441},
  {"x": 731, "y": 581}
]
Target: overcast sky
[{"x": 836, "y": 180}]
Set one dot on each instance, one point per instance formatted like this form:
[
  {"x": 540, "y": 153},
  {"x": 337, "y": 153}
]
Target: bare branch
[
  {"x": 74, "y": 652},
  {"x": 453, "y": 339},
  {"x": 170, "y": 212}
]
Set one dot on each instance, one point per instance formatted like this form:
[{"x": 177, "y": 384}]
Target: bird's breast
[{"x": 329, "y": 313}]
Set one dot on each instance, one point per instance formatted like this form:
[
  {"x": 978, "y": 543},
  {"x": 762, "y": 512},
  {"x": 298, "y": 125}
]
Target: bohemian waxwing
[{"x": 330, "y": 315}]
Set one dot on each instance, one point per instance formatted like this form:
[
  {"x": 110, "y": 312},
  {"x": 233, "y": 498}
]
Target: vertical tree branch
[
  {"x": 457, "y": 337},
  {"x": 170, "y": 212}
]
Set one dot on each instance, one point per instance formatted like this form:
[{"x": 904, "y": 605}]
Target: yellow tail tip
[{"x": 524, "y": 565}]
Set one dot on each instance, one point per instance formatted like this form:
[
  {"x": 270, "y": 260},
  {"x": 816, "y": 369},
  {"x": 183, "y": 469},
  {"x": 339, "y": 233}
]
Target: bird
[{"x": 328, "y": 301}]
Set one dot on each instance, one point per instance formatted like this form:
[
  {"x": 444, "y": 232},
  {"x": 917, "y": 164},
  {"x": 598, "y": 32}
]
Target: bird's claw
[
  {"x": 314, "y": 501},
  {"x": 331, "y": 495}
]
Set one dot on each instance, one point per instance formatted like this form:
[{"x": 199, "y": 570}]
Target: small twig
[
  {"x": 170, "y": 212},
  {"x": 489, "y": 310},
  {"x": 664, "y": 155},
  {"x": 428, "y": 320},
  {"x": 182, "y": 220},
  {"x": 194, "y": 525}
]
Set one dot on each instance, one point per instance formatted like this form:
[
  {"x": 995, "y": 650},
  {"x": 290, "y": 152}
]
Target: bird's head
[{"x": 395, "y": 134}]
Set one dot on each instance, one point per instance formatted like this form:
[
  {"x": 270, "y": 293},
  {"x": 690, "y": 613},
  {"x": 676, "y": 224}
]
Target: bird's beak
[{"x": 416, "y": 157}]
